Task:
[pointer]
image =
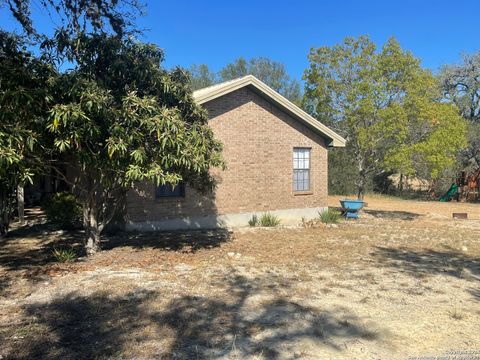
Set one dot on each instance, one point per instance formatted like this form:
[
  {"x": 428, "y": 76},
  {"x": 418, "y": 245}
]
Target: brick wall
[{"x": 258, "y": 143}]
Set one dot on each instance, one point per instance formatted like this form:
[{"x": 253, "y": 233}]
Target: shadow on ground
[
  {"x": 392, "y": 215},
  {"x": 143, "y": 324},
  {"x": 385, "y": 214},
  {"x": 186, "y": 241},
  {"x": 475, "y": 293},
  {"x": 29, "y": 249},
  {"x": 25, "y": 251},
  {"x": 428, "y": 262},
  {"x": 29, "y": 246},
  {"x": 32, "y": 246}
]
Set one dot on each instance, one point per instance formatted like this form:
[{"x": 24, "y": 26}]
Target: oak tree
[
  {"x": 387, "y": 107},
  {"x": 461, "y": 85}
]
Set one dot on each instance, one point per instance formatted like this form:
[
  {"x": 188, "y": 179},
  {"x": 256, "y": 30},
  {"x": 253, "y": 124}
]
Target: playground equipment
[
  {"x": 450, "y": 194},
  {"x": 466, "y": 188},
  {"x": 351, "y": 208},
  {"x": 469, "y": 186}
]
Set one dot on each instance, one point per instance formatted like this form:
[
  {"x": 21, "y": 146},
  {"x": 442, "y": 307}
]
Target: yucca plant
[
  {"x": 64, "y": 255},
  {"x": 270, "y": 220},
  {"x": 330, "y": 216}
]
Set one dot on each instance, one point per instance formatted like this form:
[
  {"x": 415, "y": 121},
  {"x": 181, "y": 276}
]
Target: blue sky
[{"x": 217, "y": 32}]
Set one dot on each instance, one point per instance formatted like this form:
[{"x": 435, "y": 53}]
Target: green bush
[
  {"x": 253, "y": 221},
  {"x": 268, "y": 219},
  {"x": 64, "y": 255},
  {"x": 62, "y": 209},
  {"x": 330, "y": 216}
]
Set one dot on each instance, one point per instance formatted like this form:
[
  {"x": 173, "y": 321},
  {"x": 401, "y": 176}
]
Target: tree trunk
[
  {"x": 361, "y": 189},
  {"x": 5, "y": 211},
  {"x": 21, "y": 204},
  {"x": 97, "y": 210},
  {"x": 362, "y": 180},
  {"x": 91, "y": 225},
  {"x": 92, "y": 240}
]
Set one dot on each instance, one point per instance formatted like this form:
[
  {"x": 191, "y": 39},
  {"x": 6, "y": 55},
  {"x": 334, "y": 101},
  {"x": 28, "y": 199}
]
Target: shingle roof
[{"x": 212, "y": 92}]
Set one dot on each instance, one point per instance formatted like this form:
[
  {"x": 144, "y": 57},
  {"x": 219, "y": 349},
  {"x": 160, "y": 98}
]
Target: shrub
[
  {"x": 330, "y": 216},
  {"x": 62, "y": 209},
  {"x": 64, "y": 255},
  {"x": 253, "y": 221},
  {"x": 268, "y": 219}
]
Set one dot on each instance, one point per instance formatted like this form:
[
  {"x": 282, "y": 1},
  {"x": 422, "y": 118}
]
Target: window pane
[
  {"x": 301, "y": 180},
  {"x": 295, "y": 179},
  {"x": 301, "y": 158},
  {"x": 296, "y": 186},
  {"x": 302, "y": 175},
  {"x": 306, "y": 181},
  {"x": 295, "y": 163},
  {"x": 168, "y": 190}
]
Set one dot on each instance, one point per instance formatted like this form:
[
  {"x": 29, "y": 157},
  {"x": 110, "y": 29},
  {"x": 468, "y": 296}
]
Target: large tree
[
  {"x": 121, "y": 118},
  {"x": 26, "y": 80},
  {"x": 381, "y": 101},
  {"x": 25, "y": 83},
  {"x": 461, "y": 85}
]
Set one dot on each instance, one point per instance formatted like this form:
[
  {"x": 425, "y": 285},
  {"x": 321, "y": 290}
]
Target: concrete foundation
[{"x": 287, "y": 216}]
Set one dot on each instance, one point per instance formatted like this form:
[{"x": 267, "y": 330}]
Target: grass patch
[
  {"x": 455, "y": 314},
  {"x": 330, "y": 216},
  {"x": 269, "y": 220},
  {"x": 64, "y": 255}
]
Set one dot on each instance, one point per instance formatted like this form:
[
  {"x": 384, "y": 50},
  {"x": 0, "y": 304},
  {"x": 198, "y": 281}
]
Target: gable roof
[{"x": 210, "y": 93}]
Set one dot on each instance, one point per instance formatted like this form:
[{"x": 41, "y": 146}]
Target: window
[
  {"x": 301, "y": 169},
  {"x": 168, "y": 190}
]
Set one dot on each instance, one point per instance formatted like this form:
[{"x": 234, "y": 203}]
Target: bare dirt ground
[{"x": 402, "y": 281}]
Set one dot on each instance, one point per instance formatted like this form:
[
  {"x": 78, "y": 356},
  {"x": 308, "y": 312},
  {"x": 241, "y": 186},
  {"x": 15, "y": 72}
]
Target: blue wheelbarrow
[{"x": 351, "y": 208}]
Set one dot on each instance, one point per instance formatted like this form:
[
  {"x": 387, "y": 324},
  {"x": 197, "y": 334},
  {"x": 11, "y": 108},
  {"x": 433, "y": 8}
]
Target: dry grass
[
  {"x": 380, "y": 287},
  {"x": 456, "y": 314}
]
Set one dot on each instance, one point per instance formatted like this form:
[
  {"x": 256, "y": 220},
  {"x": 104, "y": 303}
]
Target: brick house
[{"x": 276, "y": 157}]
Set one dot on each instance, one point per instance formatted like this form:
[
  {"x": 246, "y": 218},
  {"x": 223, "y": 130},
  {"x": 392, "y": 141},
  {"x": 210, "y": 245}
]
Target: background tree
[
  {"x": 435, "y": 134},
  {"x": 201, "y": 76},
  {"x": 270, "y": 72},
  {"x": 120, "y": 119},
  {"x": 25, "y": 83},
  {"x": 461, "y": 85},
  {"x": 238, "y": 68},
  {"x": 379, "y": 101}
]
